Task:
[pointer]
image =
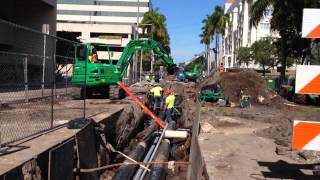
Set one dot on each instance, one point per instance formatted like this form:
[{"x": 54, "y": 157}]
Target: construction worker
[
  {"x": 170, "y": 99},
  {"x": 94, "y": 57},
  {"x": 221, "y": 68},
  {"x": 157, "y": 97}
]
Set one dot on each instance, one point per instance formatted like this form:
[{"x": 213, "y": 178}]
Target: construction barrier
[
  {"x": 306, "y": 135},
  {"x": 311, "y": 23},
  {"x": 308, "y": 79}
]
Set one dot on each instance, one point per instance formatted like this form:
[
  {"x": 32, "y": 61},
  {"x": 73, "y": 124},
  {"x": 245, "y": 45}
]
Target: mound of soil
[{"x": 249, "y": 81}]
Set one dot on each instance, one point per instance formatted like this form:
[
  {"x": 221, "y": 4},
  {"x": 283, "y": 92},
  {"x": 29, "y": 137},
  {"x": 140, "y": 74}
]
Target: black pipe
[
  {"x": 158, "y": 170},
  {"x": 127, "y": 171},
  {"x": 138, "y": 152}
]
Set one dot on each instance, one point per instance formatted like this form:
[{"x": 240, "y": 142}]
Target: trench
[
  {"x": 139, "y": 137},
  {"x": 96, "y": 151}
]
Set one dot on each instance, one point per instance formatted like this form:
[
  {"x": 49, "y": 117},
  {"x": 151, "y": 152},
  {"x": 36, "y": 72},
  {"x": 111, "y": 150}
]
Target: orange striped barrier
[
  {"x": 308, "y": 79},
  {"x": 306, "y": 135},
  {"x": 311, "y": 23}
]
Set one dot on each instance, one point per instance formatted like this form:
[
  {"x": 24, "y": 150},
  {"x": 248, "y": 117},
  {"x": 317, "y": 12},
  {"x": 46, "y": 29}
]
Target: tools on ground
[{"x": 244, "y": 99}]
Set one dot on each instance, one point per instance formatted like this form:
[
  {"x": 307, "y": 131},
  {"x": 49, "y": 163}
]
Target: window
[
  {"x": 108, "y": 35},
  {"x": 267, "y": 13},
  {"x": 264, "y": 26},
  {"x": 81, "y": 52}
]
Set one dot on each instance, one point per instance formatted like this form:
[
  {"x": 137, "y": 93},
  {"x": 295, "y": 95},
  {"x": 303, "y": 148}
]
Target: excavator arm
[{"x": 145, "y": 45}]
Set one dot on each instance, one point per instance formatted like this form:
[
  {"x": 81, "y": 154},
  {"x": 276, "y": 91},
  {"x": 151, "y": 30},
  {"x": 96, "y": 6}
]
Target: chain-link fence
[{"x": 36, "y": 93}]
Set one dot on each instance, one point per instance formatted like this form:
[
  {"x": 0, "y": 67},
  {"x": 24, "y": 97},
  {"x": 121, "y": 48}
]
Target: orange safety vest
[
  {"x": 221, "y": 69},
  {"x": 94, "y": 58}
]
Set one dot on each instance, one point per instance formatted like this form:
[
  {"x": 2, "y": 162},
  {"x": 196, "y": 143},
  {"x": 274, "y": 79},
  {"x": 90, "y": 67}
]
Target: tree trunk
[
  {"x": 208, "y": 58},
  {"x": 283, "y": 56},
  {"x": 264, "y": 70},
  {"x": 217, "y": 50}
]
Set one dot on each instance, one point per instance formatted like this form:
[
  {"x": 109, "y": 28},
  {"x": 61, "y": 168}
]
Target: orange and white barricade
[
  {"x": 308, "y": 79},
  {"x": 306, "y": 135}
]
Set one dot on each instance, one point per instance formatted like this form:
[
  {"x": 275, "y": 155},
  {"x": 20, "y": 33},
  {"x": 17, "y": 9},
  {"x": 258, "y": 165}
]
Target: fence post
[
  {"x": 66, "y": 78},
  {"x": 53, "y": 80},
  {"x": 85, "y": 90},
  {"x": 141, "y": 54},
  {"x": 43, "y": 64},
  {"x": 25, "y": 74}
]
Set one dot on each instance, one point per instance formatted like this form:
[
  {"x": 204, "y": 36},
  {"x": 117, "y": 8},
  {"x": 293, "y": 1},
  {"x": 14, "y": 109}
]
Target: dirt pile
[{"x": 249, "y": 81}]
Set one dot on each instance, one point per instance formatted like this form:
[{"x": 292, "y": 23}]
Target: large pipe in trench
[
  {"x": 146, "y": 159},
  {"x": 158, "y": 170},
  {"x": 127, "y": 171}
]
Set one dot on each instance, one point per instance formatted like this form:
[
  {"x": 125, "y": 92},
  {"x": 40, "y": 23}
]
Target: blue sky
[{"x": 184, "y": 24}]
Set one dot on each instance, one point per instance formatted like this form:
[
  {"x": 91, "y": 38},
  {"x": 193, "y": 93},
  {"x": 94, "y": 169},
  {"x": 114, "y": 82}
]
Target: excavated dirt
[
  {"x": 262, "y": 133},
  {"x": 280, "y": 119},
  {"x": 273, "y": 109},
  {"x": 249, "y": 81}
]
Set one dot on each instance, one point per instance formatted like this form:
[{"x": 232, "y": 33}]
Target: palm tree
[
  {"x": 206, "y": 37},
  {"x": 213, "y": 24},
  {"x": 220, "y": 20},
  {"x": 154, "y": 25},
  {"x": 286, "y": 19}
]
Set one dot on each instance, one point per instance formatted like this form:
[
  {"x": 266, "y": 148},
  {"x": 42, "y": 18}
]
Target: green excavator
[
  {"x": 193, "y": 70},
  {"x": 94, "y": 69},
  {"x": 194, "y": 74}
]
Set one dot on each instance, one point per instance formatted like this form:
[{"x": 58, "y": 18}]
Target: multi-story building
[
  {"x": 107, "y": 21},
  {"x": 239, "y": 33},
  {"x": 21, "y": 40},
  {"x": 34, "y": 14}
]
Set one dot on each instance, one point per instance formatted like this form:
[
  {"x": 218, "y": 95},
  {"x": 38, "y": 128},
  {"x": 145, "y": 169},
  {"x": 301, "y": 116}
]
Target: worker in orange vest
[{"x": 221, "y": 68}]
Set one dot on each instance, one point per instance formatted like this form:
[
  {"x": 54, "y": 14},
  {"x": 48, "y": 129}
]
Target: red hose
[{"x": 144, "y": 107}]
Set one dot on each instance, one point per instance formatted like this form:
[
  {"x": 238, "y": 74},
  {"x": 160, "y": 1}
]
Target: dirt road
[{"x": 233, "y": 149}]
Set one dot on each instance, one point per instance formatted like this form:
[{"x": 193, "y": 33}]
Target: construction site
[{"x": 103, "y": 101}]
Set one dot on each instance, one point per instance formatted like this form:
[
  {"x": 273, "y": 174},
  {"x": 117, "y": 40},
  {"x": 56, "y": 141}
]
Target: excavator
[
  {"x": 194, "y": 74},
  {"x": 94, "y": 69},
  {"x": 192, "y": 71}
]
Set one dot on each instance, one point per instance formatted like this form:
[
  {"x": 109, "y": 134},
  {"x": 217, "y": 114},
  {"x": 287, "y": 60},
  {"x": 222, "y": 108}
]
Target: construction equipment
[
  {"x": 194, "y": 74},
  {"x": 211, "y": 94},
  {"x": 181, "y": 76},
  {"x": 192, "y": 70},
  {"x": 288, "y": 92},
  {"x": 94, "y": 69}
]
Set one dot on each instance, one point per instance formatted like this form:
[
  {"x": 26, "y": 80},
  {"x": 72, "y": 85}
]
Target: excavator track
[{"x": 115, "y": 92}]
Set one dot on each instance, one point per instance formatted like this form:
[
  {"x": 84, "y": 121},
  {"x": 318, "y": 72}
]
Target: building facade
[
  {"x": 107, "y": 21},
  {"x": 32, "y": 14},
  {"x": 239, "y": 33},
  {"x": 22, "y": 43}
]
